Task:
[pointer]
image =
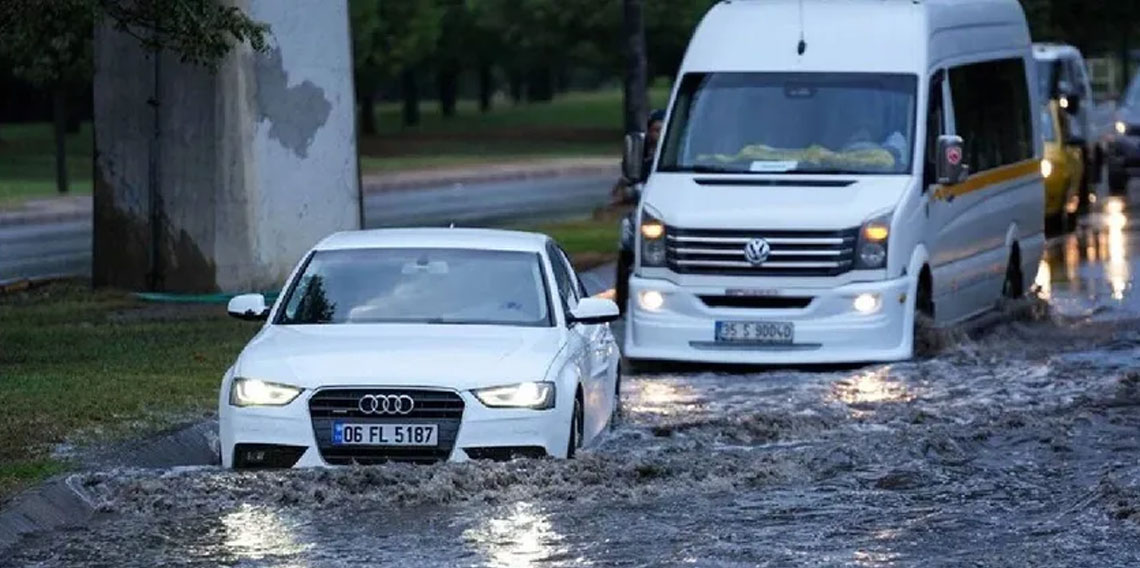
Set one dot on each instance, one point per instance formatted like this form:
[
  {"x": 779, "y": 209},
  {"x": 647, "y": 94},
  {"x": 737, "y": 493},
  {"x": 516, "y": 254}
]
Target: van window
[
  {"x": 856, "y": 123},
  {"x": 1048, "y": 128},
  {"x": 935, "y": 125},
  {"x": 992, "y": 113}
]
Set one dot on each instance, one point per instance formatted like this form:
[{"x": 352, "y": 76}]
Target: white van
[{"x": 830, "y": 169}]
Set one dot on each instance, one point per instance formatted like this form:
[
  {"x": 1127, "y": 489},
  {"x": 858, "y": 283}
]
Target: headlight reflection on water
[
  {"x": 874, "y": 386},
  {"x": 252, "y": 533},
  {"x": 522, "y": 537}
]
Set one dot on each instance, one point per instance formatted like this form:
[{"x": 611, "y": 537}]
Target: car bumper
[
  {"x": 480, "y": 428},
  {"x": 828, "y": 330}
]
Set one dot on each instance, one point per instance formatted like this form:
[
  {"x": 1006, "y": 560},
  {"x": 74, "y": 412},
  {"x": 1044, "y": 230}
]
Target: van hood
[
  {"x": 772, "y": 202},
  {"x": 442, "y": 356}
]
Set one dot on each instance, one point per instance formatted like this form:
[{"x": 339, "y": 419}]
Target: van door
[{"x": 987, "y": 104}]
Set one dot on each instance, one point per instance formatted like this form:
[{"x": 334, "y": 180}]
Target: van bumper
[{"x": 828, "y": 330}]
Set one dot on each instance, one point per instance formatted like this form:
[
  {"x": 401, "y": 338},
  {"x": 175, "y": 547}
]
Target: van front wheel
[{"x": 1013, "y": 287}]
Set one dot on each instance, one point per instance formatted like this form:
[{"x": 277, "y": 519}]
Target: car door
[
  {"x": 596, "y": 399},
  {"x": 579, "y": 347}
]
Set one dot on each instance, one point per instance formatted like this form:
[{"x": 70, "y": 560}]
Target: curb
[
  {"x": 61, "y": 502},
  {"x": 10, "y": 218},
  {"x": 381, "y": 184}
]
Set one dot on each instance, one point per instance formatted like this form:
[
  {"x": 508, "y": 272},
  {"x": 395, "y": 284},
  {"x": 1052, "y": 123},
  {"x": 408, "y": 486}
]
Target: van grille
[{"x": 793, "y": 253}]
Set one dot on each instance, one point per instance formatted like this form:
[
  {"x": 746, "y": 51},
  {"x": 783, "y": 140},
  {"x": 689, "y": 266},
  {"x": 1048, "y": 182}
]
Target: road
[
  {"x": 1016, "y": 446},
  {"x": 63, "y": 248}
]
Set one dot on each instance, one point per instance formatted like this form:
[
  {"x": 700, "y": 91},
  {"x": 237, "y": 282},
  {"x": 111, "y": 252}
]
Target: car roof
[
  {"x": 479, "y": 239},
  {"x": 1051, "y": 51}
]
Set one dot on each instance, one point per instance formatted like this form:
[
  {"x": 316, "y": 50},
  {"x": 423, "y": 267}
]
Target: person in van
[
  {"x": 622, "y": 194},
  {"x": 625, "y": 196}
]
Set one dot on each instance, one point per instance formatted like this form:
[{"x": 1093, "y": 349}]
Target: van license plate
[{"x": 765, "y": 332}]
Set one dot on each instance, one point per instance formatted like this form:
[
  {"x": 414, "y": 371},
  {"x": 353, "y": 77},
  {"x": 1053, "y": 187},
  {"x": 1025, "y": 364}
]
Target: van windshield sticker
[{"x": 773, "y": 166}]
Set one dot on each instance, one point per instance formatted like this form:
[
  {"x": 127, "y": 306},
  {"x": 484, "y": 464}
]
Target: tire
[
  {"x": 923, "y": 341},
  {"x": 575, "y": 441},
  {"x": 1117, "y": 183},
  {"x": 1013, "y": 287},
  {"x": 618, "y": 412},
  {"x": 1083, "y": 200},
  {"x": 621, "y": 281},
  {"x": 1055, "y": 223}
]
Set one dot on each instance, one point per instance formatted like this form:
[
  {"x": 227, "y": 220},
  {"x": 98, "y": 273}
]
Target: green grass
[
  {"x": 589, "y": 242},
  {"x": 572, "y": 125},
  {"x": 77, "y": 365},
  {"x": 27, "y": 162}
]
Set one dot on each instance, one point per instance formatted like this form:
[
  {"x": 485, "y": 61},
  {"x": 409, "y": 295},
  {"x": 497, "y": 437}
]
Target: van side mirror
[
  {"x": 632, "y": 156},
  {"x": 951, "y": 163},
  {"x": 249, "y": 307}
]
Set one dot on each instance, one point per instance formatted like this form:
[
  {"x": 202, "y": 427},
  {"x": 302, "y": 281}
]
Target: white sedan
[{"x": 421, "y": 345}]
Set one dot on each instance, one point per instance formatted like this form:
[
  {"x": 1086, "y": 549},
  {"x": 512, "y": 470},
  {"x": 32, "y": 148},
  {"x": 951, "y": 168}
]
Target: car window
[
  {"x": 564, "y": 280},
  {"x": 424, "y": 286},
  {"x": 992, "y": 113}
]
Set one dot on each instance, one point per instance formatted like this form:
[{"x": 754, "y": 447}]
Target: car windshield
[
  {"x": 1132, "y": 96},
  {"x": 858, "y": 123},
  {"x": 1048, "y": 129},
  {"x": 1045, "y": 76},
  {"x": 427, "y": 286}
]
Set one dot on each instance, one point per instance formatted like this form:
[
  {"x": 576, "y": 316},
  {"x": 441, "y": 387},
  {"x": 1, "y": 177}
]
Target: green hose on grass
[{"x": 168, "y": 298}]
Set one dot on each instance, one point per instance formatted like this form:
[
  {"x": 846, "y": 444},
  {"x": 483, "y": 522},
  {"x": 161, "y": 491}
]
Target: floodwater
[{"x": 1015, "y": 447}]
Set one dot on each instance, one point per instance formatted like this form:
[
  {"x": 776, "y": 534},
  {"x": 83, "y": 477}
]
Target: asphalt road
[
  {"x": 1014, "y": 446},
  {"x": 63, "y": 248}
]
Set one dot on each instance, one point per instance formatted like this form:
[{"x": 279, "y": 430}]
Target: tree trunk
[
  {"x": 411, "y": 95},
  {"x": 540, "y": 84},
  {"x": 636, "y": 66},
  {"x": 59, "y": 116},
  {"x": 516, "y": 80},
  {"x": 486, "y": 87},
  {"x": 368, "y": 114},
  {"x": 447, "y": 82}
]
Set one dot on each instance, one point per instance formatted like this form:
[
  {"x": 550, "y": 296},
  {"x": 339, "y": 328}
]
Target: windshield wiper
[{"x": 706, "y": 169}]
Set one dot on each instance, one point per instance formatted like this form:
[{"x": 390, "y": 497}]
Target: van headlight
[
  {"x": 252, "y": 392},
  {"x": 652, "y": 240},
  {"x": 871, "y": 246},
  {"x": 533, "y": 395}
]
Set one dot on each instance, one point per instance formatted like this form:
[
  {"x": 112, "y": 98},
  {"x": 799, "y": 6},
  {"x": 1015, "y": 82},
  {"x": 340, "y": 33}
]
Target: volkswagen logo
[
  {"x": 757, "y": 251},
  {"x": 386, "y": 404}
]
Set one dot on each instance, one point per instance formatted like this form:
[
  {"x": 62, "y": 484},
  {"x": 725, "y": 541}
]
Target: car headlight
[
  {"x": 252, "y": 392},
  {"x": 871, "y": 248},
  {"x": 1121, "y": 127},
  {"x": 533, "y": 395},
  {"x": 1046, "y": 168},
  {"x": 652, "y": 240}
]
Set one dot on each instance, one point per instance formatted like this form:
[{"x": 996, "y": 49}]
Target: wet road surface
[{"x": 1016, "y": 447}]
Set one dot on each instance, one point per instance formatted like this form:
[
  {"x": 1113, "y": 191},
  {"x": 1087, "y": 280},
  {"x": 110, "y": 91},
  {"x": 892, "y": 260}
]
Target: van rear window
[{"x": 842, "y": 123}]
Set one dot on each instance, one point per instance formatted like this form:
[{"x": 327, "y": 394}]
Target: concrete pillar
[{"x": 245, "y": 167}]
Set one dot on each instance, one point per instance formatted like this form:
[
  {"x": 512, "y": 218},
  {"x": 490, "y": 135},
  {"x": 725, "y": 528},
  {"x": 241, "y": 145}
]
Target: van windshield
[{"x": 822, "y": 123}]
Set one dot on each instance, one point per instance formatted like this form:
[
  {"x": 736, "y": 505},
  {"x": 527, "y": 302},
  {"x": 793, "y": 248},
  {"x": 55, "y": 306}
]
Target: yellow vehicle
[{"x": 1062, "y": 168}]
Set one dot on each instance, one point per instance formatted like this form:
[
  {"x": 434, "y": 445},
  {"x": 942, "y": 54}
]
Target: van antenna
[{"x": 802, "y": 47}]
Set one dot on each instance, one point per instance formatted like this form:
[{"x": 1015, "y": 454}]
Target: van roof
[
  {"x": 1052, "y": 51},
  {"x": 891, "y": 36}
]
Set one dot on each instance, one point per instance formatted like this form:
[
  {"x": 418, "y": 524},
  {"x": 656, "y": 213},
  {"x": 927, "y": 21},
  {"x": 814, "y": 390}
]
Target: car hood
[
  {"x": 783, "y": 202},
  {"x": 443, "y": 356}
]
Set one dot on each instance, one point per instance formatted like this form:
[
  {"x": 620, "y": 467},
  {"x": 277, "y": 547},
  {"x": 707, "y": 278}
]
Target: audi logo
[{"x": 386, "y": 404}]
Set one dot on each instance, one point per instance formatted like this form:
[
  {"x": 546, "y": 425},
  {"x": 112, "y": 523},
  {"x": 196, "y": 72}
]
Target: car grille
[
  {"x": 793, "y": 253},
  {"x": 443, "y": 408}
]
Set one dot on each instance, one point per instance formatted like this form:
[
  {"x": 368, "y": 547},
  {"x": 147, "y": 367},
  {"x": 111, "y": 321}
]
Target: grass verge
[
  {"x": 27, "y": 162},
  {"x": 590, "y": 242},
  {"x": 77, "y": 365}
]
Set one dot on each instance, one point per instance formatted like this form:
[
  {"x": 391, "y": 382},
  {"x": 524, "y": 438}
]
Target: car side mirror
[
  {"x": 633, "y": 156},
  {"x": 248, "y": 307},
  {"x": 951, "y": 167},
  {"x": 591, "y": 311}
]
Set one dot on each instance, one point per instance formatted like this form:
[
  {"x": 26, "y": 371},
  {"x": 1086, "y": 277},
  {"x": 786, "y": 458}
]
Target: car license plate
[
  {"x": 765, "y": 332},
  {"x": 345, "y": 434}
]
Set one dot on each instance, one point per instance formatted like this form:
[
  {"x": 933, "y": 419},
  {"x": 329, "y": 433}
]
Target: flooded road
[{"x": 1016, "y": 447}]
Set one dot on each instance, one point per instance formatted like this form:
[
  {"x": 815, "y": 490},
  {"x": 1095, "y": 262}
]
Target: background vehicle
[
  {"x": 812, "y": 205},
  {"x": 1063, "y": 168},
  {"x": 1121, "y": 145},
  {"x": 421, "y": 345},
  {"x": 1063, "y": 76}
]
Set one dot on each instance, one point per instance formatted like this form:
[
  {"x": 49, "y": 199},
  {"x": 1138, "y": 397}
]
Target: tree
[
  {"x": 49, "y": 42},
  {"x": 394, "y": 38},
  {"x": 636, "y": 74}
]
